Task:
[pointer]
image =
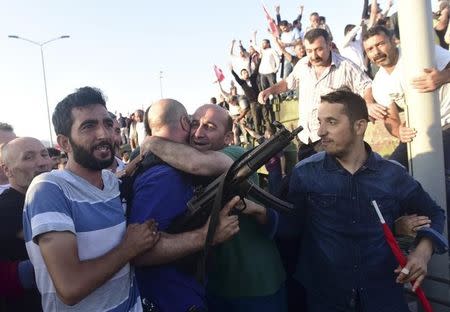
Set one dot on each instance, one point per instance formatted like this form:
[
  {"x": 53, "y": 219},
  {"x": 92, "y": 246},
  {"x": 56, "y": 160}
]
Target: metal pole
[
  {"x": 46, "y": 98},
  {"x": 41, "y": 46},
  {"x": 427, "y": 158},
  {"x": 160, "y": 83}
]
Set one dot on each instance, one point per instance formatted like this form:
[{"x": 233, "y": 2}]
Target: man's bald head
[
  {"x": 220, "y": 113},
  {"x": 168, "y": 119},
  {"x": 165, "y": 113},
  {"x": 24, "y": 158},
  {"x": 211, "y": 128}
]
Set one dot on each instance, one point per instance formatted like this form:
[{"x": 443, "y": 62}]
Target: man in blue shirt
[
  {"x": 162, "y": 192},
  {"x": 346, "y": 263}
]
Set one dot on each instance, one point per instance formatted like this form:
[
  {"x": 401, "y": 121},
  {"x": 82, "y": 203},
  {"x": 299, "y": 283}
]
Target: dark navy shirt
[
  {"x": 161, "y": 193},
  {"x": 344, "y": 253}
]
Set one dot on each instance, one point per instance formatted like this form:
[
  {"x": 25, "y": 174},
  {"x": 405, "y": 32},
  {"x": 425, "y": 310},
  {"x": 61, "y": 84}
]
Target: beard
[{"x": 87, "y": 159}]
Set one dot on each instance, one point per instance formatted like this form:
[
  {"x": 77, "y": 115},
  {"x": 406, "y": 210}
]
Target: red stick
[{"x": 401, "y": 258}]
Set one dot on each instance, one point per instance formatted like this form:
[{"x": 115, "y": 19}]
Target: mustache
[
  {"x": 317, "y": 59},
  {"x": 379, "y": 56},
  {"x": 103, "y": 143}
]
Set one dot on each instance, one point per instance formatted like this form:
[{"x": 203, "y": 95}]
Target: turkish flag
[
  {"x": 273, "y": 27},
  {"x": 219, "y": 73}
]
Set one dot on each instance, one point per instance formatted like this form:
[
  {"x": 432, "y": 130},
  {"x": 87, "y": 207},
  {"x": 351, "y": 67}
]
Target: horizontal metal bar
[
  {"x": 431, "y": 299},
  {"x": 438, "y": 279}
]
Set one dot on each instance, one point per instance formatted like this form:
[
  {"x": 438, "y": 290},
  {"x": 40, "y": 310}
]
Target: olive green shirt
[{"x": 249, "y": 264}]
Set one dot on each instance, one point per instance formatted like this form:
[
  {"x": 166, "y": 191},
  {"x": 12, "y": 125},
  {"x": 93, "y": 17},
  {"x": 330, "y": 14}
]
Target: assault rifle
[{"x": 209, "y": 200}]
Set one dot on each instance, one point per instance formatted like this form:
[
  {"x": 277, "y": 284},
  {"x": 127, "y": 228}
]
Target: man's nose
[{"x": 321, "y": 131}]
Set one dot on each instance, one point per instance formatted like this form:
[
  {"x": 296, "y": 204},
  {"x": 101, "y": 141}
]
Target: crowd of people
[{"x": 88, "y": 226}]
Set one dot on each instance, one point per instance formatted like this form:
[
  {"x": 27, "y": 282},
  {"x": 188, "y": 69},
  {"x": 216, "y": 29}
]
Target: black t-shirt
[
  {"x": 12, "y": 245},
  {"x": 12, "y": 248}
]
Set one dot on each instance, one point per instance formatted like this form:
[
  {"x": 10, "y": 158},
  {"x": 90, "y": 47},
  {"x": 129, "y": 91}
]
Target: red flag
[
  {"x": 273, "y": 27},
  {"x": 401, "y": 258},
  {"x": 219, "y": 73}
]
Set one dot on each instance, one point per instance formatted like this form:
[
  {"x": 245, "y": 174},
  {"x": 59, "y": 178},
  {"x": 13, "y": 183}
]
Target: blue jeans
[{"x": 270, "y": 303}]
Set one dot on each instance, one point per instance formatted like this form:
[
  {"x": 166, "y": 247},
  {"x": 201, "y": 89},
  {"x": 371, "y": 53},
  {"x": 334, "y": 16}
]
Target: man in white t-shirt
[
  {"x": 352, "y": 47},
  {"x": 140, "y": 128},
  {"x": 289, "y": 39},
  {"x": 389, "y": 84}
]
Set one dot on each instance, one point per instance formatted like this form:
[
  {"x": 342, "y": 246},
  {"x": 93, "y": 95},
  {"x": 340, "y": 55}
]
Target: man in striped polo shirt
[
  {"x": 74, "y": 222},
  {"x": 321, "y": 72}
]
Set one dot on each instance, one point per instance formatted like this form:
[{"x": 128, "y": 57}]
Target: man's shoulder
[
  {"x": 161, "y": 176},
  {"x": 233, "y": 151},
  {"x": 56, "y": 177},
  {"x": 344, "y": 63},
  {"x": 10, "y": 202},
  {"x": 311, "y": 161}
]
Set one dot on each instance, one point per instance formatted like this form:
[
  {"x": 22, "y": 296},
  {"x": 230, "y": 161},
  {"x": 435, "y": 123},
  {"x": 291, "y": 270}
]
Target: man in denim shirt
[{"x": 346, "y": 263}]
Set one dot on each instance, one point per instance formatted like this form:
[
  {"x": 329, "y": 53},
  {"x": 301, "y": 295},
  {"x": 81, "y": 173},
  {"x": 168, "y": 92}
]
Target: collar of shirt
[
  {"x": 330, "y": 162},
  {"x": 335, "y": 61}
]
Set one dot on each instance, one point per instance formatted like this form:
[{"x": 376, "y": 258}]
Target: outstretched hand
[
  {"x": 406, "y": 134},
  {"x": 377, "y": 111},
  {"x": 415, "y": 269},
  {"x": 263, "y": 96},
  {"x": 430, "y": 80}
]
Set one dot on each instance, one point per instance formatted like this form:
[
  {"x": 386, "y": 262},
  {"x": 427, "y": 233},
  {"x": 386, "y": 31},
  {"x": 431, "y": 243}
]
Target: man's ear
[
  {"x": 6, "y": 170},
  {"x": 360, "y": 127},
  {"x": 228, "y": 138},
  {"x": 64, "y": 143},
  {"x": 185, "y": 123}
]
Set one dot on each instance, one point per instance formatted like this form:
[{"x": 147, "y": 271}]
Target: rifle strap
[{"x": 213, "y": 222}]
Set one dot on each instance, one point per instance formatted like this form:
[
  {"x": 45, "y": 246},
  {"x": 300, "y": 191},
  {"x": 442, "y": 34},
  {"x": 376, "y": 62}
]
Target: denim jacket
[{"x": 344, "y": 253}]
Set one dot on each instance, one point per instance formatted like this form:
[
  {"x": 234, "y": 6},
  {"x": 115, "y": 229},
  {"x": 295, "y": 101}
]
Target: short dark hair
[
  {"x": 322, "y": 19},
  {"x": 52, "y": 152},
  {"x": 6, "y": 127},
  {"x": 140, "y": 113},
  {"x": 213, "y": 100},
  {"x": 243, "y": 69},
  {"x": 315, "y": 33},
  {"x": 377, "y": 30},
  {"x": 354, "y": 105},
  {"x": 284, "y": 23},
  {"x": 267, "y": 40},
  {"x": 348, "y": 28},
  {"x": 62, "y": 116},
  {"x": 314, "y": 14}
]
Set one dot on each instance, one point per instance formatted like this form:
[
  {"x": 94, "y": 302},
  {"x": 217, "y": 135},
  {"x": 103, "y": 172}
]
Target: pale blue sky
[{"x": 120, "y": 47}]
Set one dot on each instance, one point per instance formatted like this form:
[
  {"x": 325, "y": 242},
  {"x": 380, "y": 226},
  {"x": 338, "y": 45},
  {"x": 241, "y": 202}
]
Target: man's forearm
[
  {"x": 445, "y": 75},
  {"x": 425, "y": 248},
  {"x": 278, "y": 88},
  {"x": 78, "y": 278},
  {"x": 209, "y": 163},
  {"x": 171, "y": 247}
]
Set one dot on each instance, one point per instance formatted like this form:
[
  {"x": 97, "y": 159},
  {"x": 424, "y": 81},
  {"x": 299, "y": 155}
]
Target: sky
[{"x": 121, "y": 47}]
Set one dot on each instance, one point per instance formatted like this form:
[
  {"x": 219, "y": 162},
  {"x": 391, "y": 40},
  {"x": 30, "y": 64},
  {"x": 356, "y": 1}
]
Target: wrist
[{"x": 425, "y": 248}]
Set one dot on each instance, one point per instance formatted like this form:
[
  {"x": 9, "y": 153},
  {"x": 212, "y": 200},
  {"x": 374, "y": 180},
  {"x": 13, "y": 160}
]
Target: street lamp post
[
  {"x": 41, "y": 46},
  {"x": 160, "y": 82}
]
